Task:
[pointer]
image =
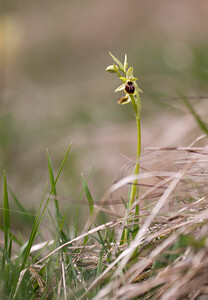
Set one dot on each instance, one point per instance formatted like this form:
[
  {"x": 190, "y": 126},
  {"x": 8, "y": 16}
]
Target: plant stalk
[{"x": 134, "y": 189}]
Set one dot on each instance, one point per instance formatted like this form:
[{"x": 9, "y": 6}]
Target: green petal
[
  {"x": 120, "y": 88},
  {"x": 124, "y": 79}
]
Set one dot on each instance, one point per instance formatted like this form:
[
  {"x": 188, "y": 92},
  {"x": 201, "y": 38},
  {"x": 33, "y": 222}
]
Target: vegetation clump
[{"x": 156, "y": 250}]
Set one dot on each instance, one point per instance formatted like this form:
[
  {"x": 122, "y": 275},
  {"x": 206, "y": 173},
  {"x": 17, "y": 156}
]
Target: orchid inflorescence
[{"x": 129, "y": 85}]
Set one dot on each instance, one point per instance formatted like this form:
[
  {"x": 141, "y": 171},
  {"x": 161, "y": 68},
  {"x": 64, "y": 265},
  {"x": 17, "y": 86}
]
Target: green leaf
[
  {"x": 117, "y": 61},
  {"x": 110, "y": 69},
  {"x": 88, "y": 195}
]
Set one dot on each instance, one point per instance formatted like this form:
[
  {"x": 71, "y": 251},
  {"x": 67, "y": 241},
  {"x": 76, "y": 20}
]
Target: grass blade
[
  {"x": 78, "y": 205},
  {"x": 6, "y": 220},
  {"x": 39, "y": 217},
  {"x": 7, "y": 258},
  {"x": 199, "y": 121},
  {"x": 34, "y": 231},
  {"x": 88, "y": 195},
  {"x": 14, "y": 238},
  {"x": 59, "y": 217},
  {"x": 27, "y": 215},
  {"x": 50, "y": 170}
]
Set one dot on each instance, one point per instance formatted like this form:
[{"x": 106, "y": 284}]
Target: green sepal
[
  {"x": 120, "y": 88},
  {"x": 137, "y": 88},
  {"x": 129, "y": 73}
]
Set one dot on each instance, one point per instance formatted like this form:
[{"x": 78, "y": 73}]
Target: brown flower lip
[{"x": 129, "y": 87}]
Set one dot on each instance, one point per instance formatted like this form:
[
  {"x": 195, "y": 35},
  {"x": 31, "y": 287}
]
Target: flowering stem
[
  {"x": 132, "y": 94},
  {"x": 134, "y": 189}
]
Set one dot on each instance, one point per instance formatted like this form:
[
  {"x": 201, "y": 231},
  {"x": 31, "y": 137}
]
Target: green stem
[
  {"x": 134, "y": 192},
  {"x": 134, "y": 189}
]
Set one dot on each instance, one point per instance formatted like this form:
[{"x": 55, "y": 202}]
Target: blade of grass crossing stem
[
  {"x": 6, "y": 220},
  {"x": 88, "y": 195}
]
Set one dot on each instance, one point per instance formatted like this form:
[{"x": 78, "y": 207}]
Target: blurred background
[{"x": 54, "y": 89}]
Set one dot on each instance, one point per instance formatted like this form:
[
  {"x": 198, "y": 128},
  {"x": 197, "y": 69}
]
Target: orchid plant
[{"x": 132, "y": 95}]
